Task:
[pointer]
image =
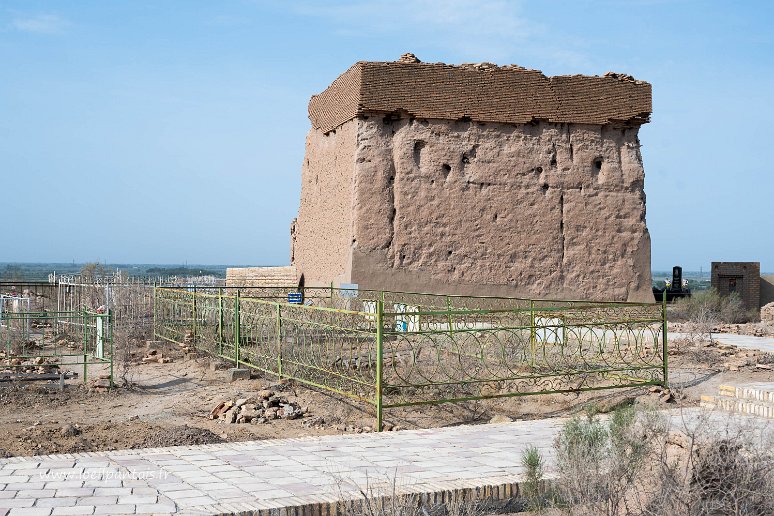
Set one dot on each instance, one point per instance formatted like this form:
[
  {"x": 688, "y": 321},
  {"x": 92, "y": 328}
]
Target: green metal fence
[
  {"x": 43, "y": 343},
  {"x": 395, "y": 349}
]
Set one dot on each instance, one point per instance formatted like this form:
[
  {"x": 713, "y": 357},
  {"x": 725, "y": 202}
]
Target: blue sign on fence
[{"x": 295, "y": 298}]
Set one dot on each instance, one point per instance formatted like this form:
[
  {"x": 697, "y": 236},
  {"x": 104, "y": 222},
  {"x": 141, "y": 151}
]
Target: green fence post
[
  {"x": 193, "y": 310},
  {"x": 85, "y": 344},
  {"x": 236, "y": 330},
  {"x": 665, "y": 349},
  {"x": 451, "y": 323},
  {"x": 220, "y": 321},
  {"x": 532, "y": 332},
  {"x": 155, "y": 332},
  {"x": 109, "y": 321},
  {"x": 379, "y": 361},
  {"x": 279, "y": 341}
]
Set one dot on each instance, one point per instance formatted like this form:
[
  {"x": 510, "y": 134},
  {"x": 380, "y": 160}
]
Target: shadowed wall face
[{"x": 541, "y": 209}]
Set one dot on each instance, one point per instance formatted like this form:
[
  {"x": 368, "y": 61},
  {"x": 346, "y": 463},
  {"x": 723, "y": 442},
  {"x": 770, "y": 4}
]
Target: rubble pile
[
  {"x": 154, "y": 356},
  {"x": 663, "y": 394},
  {"x": 754, "y": 330},
  {"x": 37, "y": 365},
  {"x": 767, "y": 313},
  {"x": 188, "y": 343},
  {"x": 736, "y": 359},
  {"x": 265, "y": 406},
  {"x": 101, "y": 383},
  {"x": 68, "y": 342}
]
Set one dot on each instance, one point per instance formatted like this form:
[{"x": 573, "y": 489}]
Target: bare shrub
[
  {"x": 92, "y": 271},
  {"x": 634, "y": 464},
  {"x": 722, "y": 468},
  {"x": 598, "y": 463},
  {"x": 710, "y": 305},
  {"x": 128, "y": 337}
]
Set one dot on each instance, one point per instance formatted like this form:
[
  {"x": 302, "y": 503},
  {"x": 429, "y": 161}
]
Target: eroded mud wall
[
  {"x": 321, "y": 236},
  {"x": 543, "y": 210}
]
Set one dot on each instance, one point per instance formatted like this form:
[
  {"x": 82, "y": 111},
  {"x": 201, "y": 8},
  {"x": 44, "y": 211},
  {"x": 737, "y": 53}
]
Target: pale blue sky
[{"x": 171, "y": 132}]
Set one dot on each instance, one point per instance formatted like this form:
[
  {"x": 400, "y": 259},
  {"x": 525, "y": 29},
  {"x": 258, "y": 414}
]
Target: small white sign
[
  {"x": 549, "y": 330},
  {"x": 348, "y": 290}
]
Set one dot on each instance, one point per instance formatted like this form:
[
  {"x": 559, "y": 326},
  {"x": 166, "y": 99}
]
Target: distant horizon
[{"x": 660, "y": 270}]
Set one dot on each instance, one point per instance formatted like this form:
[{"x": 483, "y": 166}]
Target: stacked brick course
[
  {"x": 484, "y": 93},
  {"x": 261, "y": 277},
  {"x": 744, "y": 278}
]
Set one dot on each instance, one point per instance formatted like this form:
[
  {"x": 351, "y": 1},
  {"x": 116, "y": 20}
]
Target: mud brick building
[
  {"x": 744, "y": 278},
  {"x": 476, "y": 179}
]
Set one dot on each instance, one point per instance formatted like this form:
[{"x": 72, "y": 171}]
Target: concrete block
[{"x": 236, "y": 373}]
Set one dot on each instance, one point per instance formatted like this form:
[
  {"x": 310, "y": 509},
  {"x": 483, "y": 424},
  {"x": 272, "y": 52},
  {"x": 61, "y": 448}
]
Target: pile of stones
[
  {"x": 37, "y": 365},
  {"x": 100, "y": 384},
  {"x": 265, "y": 406},
  {"x": 767, "y": 313},
  {"x": 154, "y": 356},
  {"x": 741, "y": 329}
]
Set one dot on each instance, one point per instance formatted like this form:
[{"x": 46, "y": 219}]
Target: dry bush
[
  {"x": 720, "y": 467},
  {"x": 598, "y": 463},
  {"x": 635, "y": 465},
  {"x": 710, "y": 305},
  {"x": 128, "y": 337}
]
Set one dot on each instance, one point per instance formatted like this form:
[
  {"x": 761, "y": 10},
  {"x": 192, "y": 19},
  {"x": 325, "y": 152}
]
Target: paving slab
[{"x": 263, "y": 476}]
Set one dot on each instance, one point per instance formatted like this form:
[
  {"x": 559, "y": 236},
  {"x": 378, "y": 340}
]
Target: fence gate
[{"x": 41, "y": 344}]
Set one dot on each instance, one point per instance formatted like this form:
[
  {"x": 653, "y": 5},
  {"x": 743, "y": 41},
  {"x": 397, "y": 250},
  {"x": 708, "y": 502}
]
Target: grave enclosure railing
[
  {"x": 397, "y": 349},
  {"x": 36, "y": 344}
]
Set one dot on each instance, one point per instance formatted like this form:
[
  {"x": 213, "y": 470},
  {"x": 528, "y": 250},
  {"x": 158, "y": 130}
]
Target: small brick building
[{"x": 744, "y": 278}]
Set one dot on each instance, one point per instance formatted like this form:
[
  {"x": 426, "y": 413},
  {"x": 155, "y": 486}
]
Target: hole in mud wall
[
  {"x": 446, "y": 169},
  {"x": 449, "y": 253},
  {"x": 598, "y": 164},
  {"x": 544, "y": 188},
  {"x": 495, "y": 217},
  {"x": 418, "y": 146},
  {"x": 539, "y": 170}
]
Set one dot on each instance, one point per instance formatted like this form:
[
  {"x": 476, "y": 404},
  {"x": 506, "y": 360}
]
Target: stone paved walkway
[
  {"x": 260, "y": 475},
  {"x": 233, "y": 477}
]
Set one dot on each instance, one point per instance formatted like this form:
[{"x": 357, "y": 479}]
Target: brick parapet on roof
[{"x": 485, "y": 93}]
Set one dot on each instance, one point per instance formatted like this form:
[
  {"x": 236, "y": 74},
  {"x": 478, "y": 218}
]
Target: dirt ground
[{"x": 168, "y": 404}]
